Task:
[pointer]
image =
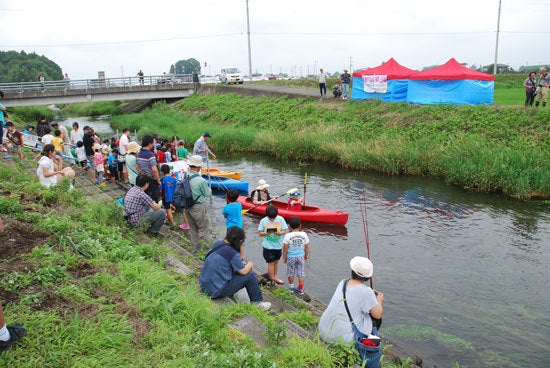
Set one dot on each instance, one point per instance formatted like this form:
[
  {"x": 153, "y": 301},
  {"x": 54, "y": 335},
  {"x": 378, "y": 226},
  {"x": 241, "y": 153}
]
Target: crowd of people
[{"x": 144, "y": 167}]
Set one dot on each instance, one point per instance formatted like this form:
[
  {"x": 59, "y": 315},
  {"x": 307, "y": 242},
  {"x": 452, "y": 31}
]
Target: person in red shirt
[{"x": 161, "y": 156}]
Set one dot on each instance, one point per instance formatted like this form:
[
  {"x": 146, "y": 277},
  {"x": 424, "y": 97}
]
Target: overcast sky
[{"x": 121, "y": 37}]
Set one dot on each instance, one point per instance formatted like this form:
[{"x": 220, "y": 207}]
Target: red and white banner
[{"x": 375, "y": 83}]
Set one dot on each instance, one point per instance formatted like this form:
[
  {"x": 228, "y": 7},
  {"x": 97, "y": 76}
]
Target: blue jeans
[
  {"x": 238, "y": 282},
  {"x": 323, "y": 88},
  {"x": 345, "y": 89}
]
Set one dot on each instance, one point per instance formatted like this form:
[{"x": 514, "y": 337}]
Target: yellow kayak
[{"x": 228, "y": 174}]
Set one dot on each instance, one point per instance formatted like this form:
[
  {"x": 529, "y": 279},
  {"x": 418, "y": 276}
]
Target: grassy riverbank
[
  {"x": 93, "y": 293},
  {"x": 480, "y": 148}
]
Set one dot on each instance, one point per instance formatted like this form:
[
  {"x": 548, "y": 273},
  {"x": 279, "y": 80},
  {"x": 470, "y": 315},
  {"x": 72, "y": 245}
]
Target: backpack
[{"x": 183, "y": 196}]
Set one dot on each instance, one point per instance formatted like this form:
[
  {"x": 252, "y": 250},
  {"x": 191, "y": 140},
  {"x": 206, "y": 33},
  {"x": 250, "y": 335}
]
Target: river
[{"x": 465, "y": 275}]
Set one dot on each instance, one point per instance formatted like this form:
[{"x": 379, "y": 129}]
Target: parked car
[
  {"x": 231, "y": 75},
  {"x": 272, "y": 77}
]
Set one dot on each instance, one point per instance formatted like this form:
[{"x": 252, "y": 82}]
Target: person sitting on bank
[
  {"x": 224, "y": 272},
  {"x": 364, "y": 303},
  {"x": 260, "y": 195},
  {"x": 50, "y": 167},
  {"x": 337, "y": 91},
  {"x": 139, "y": 207}
]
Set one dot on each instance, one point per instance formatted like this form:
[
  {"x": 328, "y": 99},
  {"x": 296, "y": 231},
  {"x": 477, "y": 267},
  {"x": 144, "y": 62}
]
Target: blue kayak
[{"x": 225, "y": 184}]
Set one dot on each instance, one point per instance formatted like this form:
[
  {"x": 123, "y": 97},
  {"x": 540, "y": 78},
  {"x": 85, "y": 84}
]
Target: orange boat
[{"x": 228, "y": 174}]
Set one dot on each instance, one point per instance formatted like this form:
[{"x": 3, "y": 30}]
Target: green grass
[
  {"x": 479, "y": 148},
  {"x": 93, "y": 108},
  {"x": 92, "y": 295}
]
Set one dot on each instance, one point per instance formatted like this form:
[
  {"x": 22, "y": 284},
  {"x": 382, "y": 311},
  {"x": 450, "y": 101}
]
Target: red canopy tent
[
  {"x": 386, "y": 82},
  {"x": 451, "y": 83},
  {"x": 391, "y": 68},
  {"x": 451, "y": 70}
]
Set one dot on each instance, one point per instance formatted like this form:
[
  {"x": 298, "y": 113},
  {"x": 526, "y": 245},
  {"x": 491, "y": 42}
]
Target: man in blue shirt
[
  {"x": 146, "y": 163},
  {"x": 201, "y": 147}
]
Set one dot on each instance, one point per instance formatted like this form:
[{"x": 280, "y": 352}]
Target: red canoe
[{"x": 306, "y": 214}]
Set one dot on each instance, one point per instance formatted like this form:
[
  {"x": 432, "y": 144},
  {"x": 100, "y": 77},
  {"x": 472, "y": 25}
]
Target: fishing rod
[
  {"x": 305, "y": 182},
  {"x": 363, "y": 208}
]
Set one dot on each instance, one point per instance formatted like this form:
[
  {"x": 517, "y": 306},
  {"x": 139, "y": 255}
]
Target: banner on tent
[{"x": 375, "y": 83}]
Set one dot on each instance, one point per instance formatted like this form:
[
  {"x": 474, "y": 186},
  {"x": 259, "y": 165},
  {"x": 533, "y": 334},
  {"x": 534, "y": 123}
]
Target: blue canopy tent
[
  {"x": 387, "y": 82},
  {"x": 451, "y": 83}
]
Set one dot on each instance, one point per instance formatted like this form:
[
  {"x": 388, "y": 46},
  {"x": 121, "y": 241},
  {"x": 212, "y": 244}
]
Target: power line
[
  {"x": 125, "y": 42},
  {"x": 324, "y": 34}
]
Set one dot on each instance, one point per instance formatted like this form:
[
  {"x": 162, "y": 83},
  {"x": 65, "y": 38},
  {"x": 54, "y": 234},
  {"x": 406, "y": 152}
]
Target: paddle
[{"x": 292, "y": 190}]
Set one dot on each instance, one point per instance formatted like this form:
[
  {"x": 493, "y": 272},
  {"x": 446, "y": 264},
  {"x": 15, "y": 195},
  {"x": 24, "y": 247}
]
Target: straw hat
[
  {"x": 195, "y": 161},
  {"x": 133, "y": 147},
  {"x": 262, "y": 184}
]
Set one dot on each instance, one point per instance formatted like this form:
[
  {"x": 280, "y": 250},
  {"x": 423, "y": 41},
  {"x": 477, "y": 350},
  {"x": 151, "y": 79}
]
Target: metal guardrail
[{"x": 80, "y": 84}]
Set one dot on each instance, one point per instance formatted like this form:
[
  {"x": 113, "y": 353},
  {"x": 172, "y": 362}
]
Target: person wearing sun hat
[
  {"x": 199, "y": 222},
  {"x": 260, "y": 195},
  {"x": 363, "y": 302},
  {"x": 131, "y": 150}
]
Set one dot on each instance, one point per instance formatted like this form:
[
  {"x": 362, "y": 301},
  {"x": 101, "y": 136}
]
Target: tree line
[{"x": 26, "y": 67}]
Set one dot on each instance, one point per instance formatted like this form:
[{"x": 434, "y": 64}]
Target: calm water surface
[{"x": 465, "y": 275}]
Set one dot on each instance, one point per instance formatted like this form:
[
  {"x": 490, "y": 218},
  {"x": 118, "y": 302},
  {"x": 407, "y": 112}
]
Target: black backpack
[{"x": 183, "y": 196}]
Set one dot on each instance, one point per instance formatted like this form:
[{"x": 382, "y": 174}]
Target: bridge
[{"x": 94, "y": 90}]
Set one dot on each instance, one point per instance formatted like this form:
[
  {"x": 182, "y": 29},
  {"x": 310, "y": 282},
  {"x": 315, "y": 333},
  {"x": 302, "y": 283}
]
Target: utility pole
[
  {"x": 495, "y": 69},
  {"x": 248, "y": 33}
]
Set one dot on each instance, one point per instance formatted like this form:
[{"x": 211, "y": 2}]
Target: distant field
[{"x": 509, "y": 96}]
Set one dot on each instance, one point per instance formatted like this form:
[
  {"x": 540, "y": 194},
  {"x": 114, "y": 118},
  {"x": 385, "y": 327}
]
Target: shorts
[
  {"x": 16, "y": 148},
  {"x": 272, "y": 255},
  {"x": 295, "y": 266},
  {"x": 91, "y": 161},
  {"x": 166, "y": 204},
  {"x": 113, "y": 170}
]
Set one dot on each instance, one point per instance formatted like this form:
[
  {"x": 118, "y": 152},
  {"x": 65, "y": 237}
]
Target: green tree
[
  {"x": 188, "y": 66},
  {"x": 22, "y": 67}
]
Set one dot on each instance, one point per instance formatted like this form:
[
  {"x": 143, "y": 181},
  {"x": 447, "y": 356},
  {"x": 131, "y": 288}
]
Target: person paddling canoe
[{"x": 260, "y": 195}]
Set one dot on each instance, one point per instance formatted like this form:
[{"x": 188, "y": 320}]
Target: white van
[{"x": 231, "y": 75}]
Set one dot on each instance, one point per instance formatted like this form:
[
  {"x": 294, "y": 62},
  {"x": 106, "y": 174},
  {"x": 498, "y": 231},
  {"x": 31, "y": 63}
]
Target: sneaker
[
  {"x": 184, "y": 226},
  {"x": 16, "y": 332},
  {"x": 292, "y": 289},
  {"x": 264, "y": 305},
  {"x": 299, "y": 292},
  {"x": 7, "y": 156}
]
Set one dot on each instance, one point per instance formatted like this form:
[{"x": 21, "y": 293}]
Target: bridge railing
[{"x": 148, "y": 80}]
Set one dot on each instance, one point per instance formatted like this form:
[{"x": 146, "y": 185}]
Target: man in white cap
[
  {"x": 363, "y": 302},
  {"x": 199, "y": 223}
]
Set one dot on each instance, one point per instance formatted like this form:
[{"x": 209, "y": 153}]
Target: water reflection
[{"x": 451, "y": 262}]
